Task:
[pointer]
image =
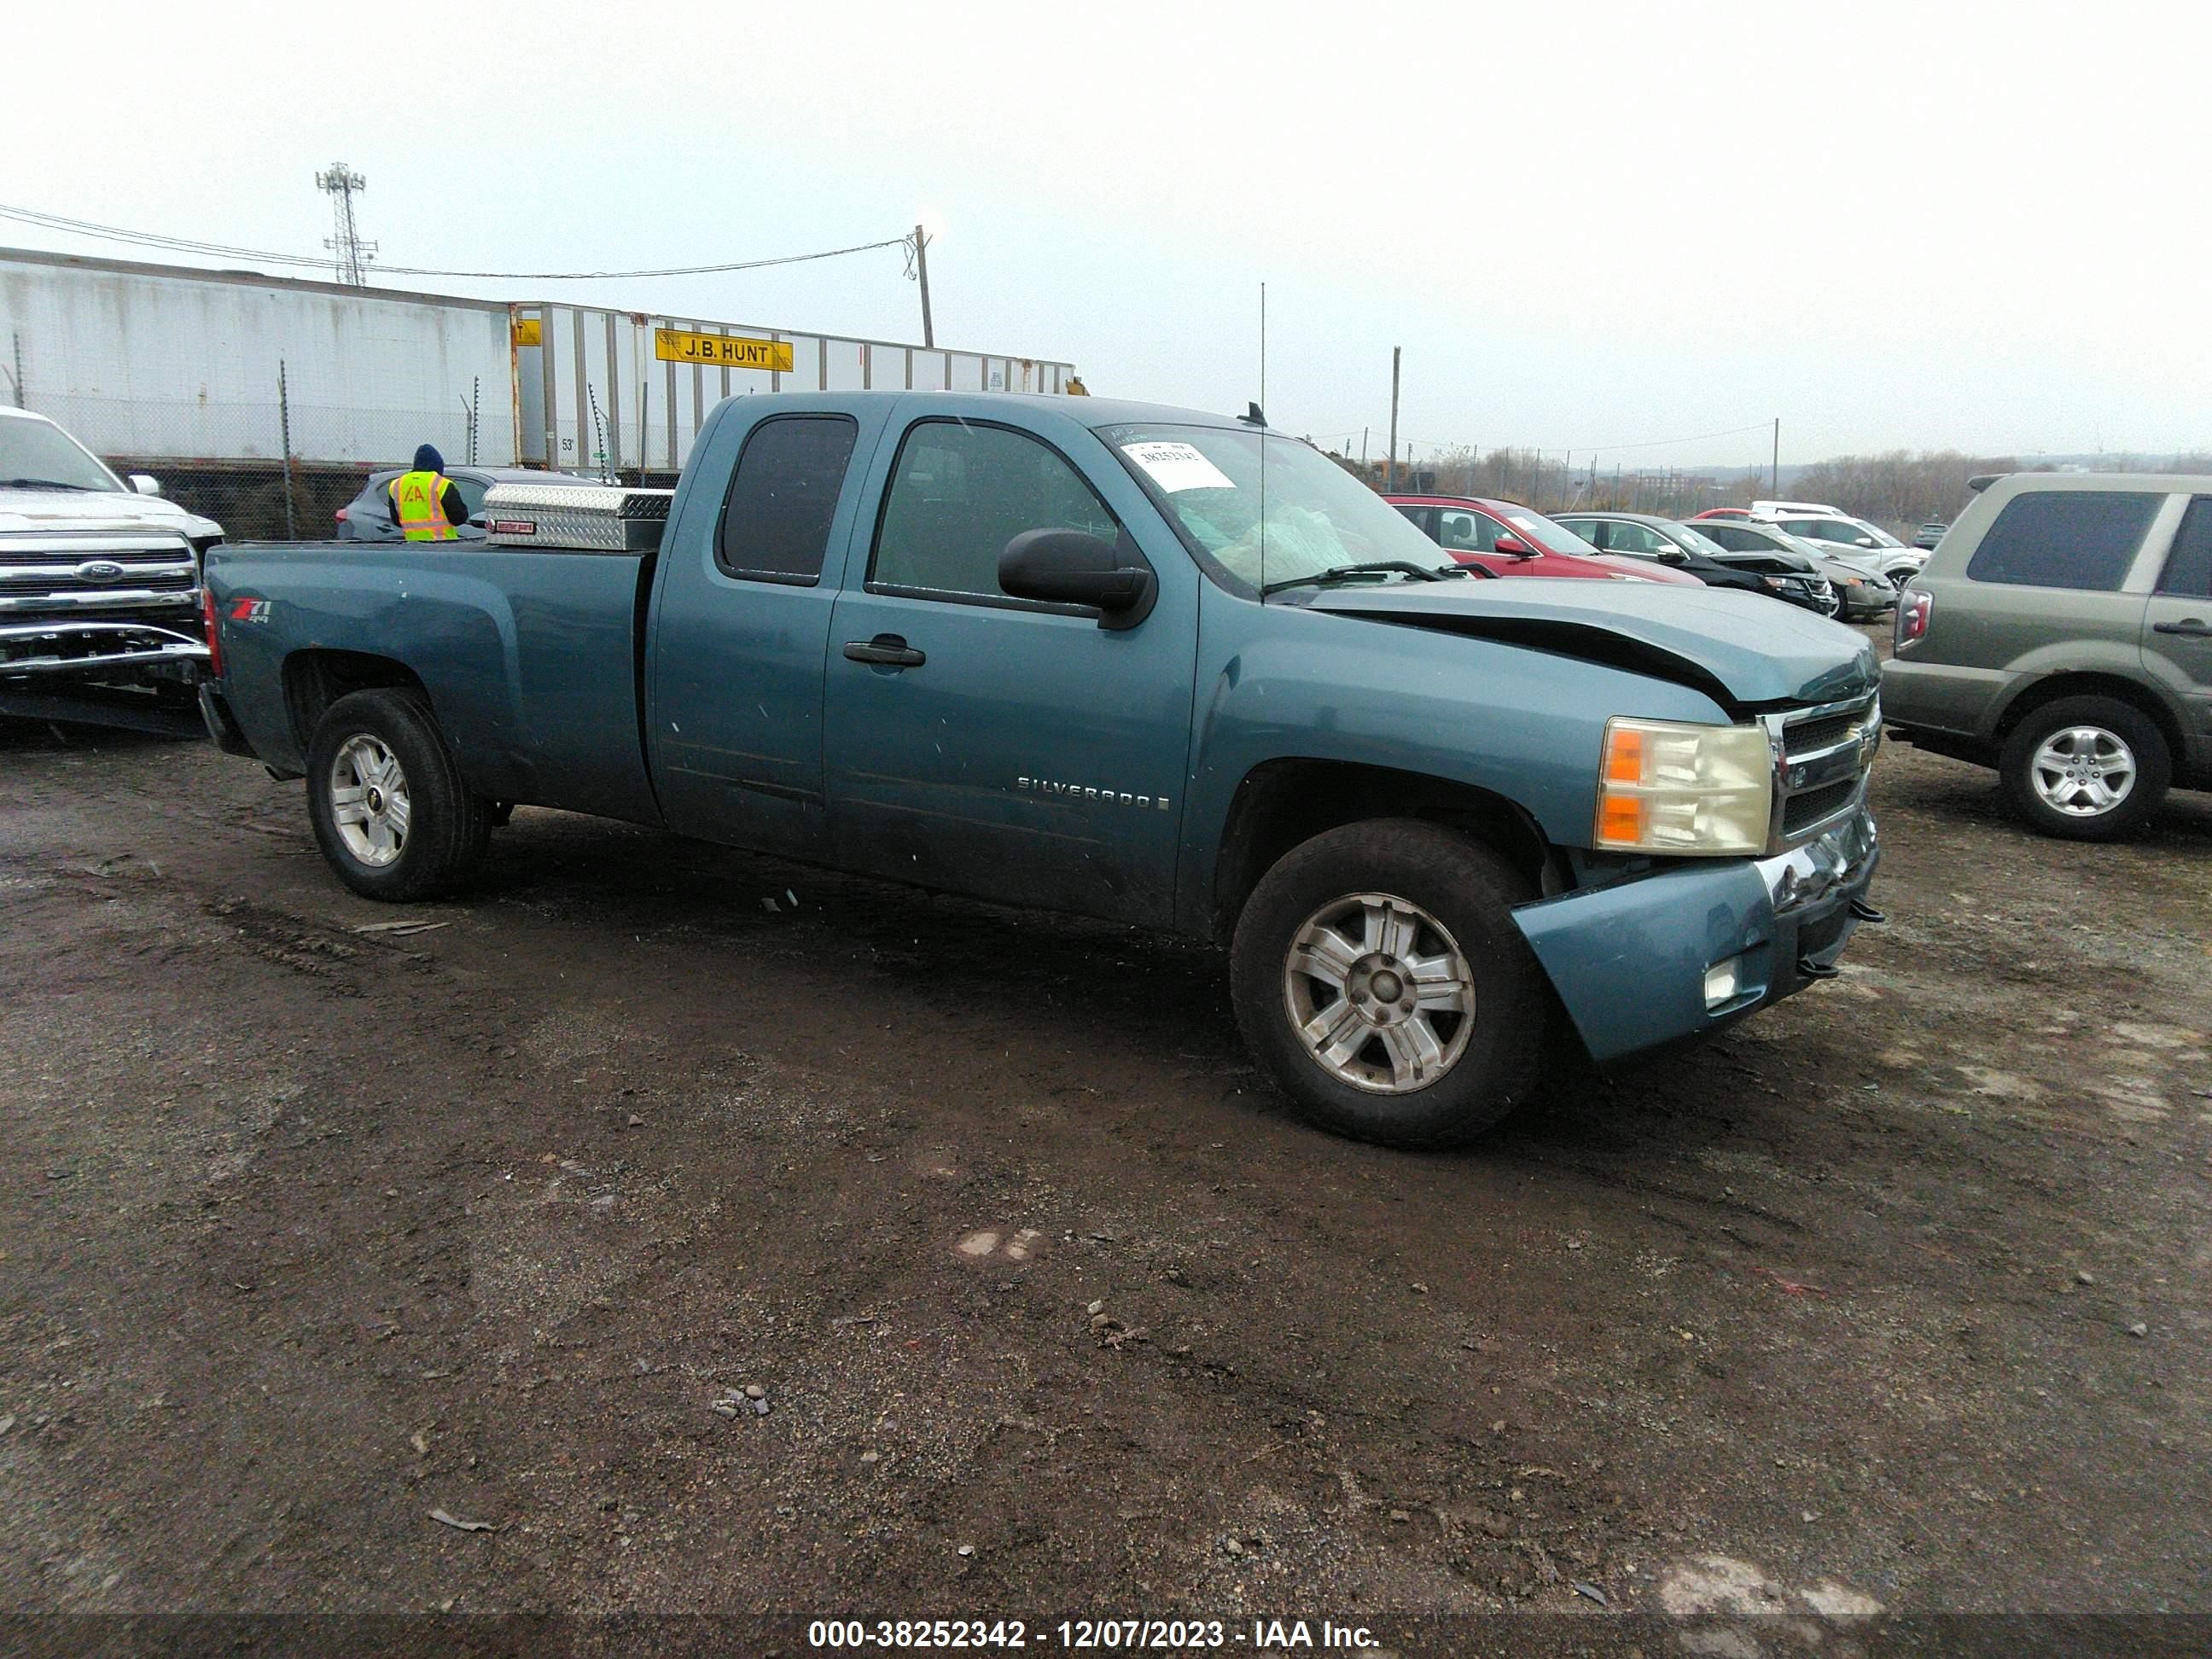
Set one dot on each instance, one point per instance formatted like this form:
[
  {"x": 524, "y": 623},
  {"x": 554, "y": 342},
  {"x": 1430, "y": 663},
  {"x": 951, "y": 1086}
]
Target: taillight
[
  {"x": 214, "y": 640},
  {"x": 341, "y": 515},
  {"x": 1913, "y": 610}
]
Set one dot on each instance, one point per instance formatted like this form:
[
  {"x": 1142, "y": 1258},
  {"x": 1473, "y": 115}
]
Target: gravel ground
[{"x": 313, "y": 1228}]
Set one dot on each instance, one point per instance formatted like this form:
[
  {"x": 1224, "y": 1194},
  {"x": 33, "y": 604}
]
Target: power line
[
  {"x": 1648, "y": 443},
  {"x": 261, "y": 256},
  {"x": 1694, "y": 438}
]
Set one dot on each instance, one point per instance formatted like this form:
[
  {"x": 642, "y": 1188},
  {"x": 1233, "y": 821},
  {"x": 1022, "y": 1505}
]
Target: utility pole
[
  {"x": 921, "y": 270},
  {"x": 350, "y": 253},
  {"x": 1778, "y": 458},
  {"x": 1391, "y": 476}
]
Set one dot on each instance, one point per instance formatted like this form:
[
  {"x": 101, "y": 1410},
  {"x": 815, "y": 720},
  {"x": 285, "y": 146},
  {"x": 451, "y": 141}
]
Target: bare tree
[{"x": 1900, "y": 489}]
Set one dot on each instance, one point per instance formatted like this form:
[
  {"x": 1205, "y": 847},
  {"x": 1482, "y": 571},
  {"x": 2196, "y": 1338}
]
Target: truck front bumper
[{"x": 1699, "y": 945}]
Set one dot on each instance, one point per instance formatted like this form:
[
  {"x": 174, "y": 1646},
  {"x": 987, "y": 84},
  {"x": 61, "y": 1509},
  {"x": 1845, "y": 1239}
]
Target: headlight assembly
[{"x": 1668, "y": 787}]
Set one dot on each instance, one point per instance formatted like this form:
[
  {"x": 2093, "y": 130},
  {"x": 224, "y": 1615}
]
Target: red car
[
  {"x": 1509, "y": 539},
  {"x": 1720, "y": 513}
]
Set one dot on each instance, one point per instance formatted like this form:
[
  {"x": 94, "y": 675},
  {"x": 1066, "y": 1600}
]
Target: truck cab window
[
  {"x": 783, "y": 496},
  {"x": 961, "y": 492}
]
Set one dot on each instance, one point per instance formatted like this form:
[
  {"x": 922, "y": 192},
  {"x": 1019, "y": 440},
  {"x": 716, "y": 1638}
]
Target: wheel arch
[
  {"x": 2054, "y": 687},
  {"x": 1281, "y": 804},
  {"x": 316, "y": 678}
]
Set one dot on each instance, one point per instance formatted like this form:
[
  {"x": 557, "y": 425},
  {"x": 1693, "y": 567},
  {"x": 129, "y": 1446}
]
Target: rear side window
[
  {"x": 775, "y": 520},
  {"x": 2078, "y": 538},
  {"x": 2189, "y": 567}
]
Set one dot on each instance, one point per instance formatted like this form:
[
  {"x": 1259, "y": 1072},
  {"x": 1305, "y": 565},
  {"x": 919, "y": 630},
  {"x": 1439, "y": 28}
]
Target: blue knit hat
[{"x": 428, "y": 459}]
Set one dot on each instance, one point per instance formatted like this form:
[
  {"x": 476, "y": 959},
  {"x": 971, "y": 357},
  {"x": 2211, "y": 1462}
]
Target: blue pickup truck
[{"x": 1171, "y": 669}]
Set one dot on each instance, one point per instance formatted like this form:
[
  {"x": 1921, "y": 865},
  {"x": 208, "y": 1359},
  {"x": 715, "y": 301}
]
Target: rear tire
[
  {"x": 390, "y": 810},
  {"x": 2086, "y": 769},
  {"x": 1379, "y": 978}
]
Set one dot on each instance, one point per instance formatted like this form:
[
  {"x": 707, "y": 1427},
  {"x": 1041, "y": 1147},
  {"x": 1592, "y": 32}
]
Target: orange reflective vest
[{"x": 418, "y": 500}]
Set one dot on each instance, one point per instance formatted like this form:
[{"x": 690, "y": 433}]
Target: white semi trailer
[{"x": 186, "y": 368}]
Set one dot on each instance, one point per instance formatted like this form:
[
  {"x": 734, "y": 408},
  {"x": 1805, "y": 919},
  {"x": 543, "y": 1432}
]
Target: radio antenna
[{"x": 1259, "y": 418}]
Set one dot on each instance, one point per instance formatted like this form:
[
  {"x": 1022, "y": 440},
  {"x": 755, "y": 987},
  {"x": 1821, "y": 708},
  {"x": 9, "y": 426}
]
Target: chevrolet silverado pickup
[{"x": 1170, "y": 669}]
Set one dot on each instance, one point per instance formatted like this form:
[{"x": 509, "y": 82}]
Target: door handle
[
  {"x": 2190, "y": 627},
  {"x": 886, "y": 650}
]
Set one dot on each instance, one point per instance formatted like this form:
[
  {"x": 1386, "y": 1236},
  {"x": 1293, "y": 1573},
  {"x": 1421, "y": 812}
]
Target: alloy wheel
[
  {"x": 1379, "y": 994},
  {"x": 368, "y": 801}
]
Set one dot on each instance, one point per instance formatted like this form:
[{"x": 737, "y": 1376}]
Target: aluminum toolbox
[{"x": 576, "y": 517}]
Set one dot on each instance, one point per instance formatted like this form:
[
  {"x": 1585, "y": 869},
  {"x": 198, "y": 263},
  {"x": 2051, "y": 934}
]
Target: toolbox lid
[{"x": 576, "y": 517}]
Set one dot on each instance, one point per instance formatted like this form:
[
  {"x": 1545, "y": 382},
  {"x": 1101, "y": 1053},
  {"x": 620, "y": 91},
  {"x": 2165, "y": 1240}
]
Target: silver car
[{"x": 1859, "y": 541}]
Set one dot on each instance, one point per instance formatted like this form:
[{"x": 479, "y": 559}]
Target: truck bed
[{"x": 530, "y": 657}]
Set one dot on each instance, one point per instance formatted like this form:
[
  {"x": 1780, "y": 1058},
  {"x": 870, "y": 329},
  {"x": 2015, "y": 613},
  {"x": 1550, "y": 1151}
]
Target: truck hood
[
  {"x": 32, "y": 510},
  {"x": 1745, "y": 651}
]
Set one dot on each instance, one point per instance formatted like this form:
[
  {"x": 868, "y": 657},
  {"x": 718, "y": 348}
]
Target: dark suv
[{"x": 2062, "y": 633}]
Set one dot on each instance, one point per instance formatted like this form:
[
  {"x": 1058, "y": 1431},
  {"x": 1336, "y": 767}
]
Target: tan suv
[{"x": 2062, "y": 633}]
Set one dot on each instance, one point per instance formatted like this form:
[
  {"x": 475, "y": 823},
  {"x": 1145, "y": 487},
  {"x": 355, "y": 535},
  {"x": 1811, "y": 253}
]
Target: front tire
[
  {"x": 2086, "y": 769},
  {"x": 390, "y": 810},
  {"x": 1379, "y": 978}
]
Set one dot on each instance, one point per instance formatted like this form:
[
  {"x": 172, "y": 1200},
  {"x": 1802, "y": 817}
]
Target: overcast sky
[{"x": 1923, "y": 225}]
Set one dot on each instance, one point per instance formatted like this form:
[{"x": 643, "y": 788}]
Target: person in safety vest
[{"x": 426, "y": 504}]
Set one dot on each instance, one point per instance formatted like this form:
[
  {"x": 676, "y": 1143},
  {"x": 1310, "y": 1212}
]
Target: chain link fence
[{"x": 226, "y": 459}]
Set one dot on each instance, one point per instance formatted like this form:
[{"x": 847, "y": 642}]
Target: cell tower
[{"x": 352, "y": 254}]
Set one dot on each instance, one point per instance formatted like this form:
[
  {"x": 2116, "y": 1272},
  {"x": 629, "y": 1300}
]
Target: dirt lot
[{"x": 1894, "y": 1296}]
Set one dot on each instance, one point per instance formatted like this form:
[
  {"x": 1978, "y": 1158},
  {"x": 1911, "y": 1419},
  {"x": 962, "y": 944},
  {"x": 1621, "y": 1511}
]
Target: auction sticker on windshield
[{"x": 1176, "y": 466}]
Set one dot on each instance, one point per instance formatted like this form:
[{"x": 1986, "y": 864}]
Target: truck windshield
[
  {"x": 39, "y": 455},
  {"x": 1318, "y": 516}
]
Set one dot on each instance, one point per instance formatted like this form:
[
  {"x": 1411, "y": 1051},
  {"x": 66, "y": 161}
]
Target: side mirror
[
  {"x": 145, "y": 483},
  {"x": 1513, "y": 548},
  {"x": 1672, "y": 555},
  {"x": 1072, "y": 566}
]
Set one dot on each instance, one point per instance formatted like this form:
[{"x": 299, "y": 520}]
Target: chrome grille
[
  {"x": 63, "y": 574},
  {"x": 1821, "y": 758},
  {"x": 1809, "y": 736}
]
